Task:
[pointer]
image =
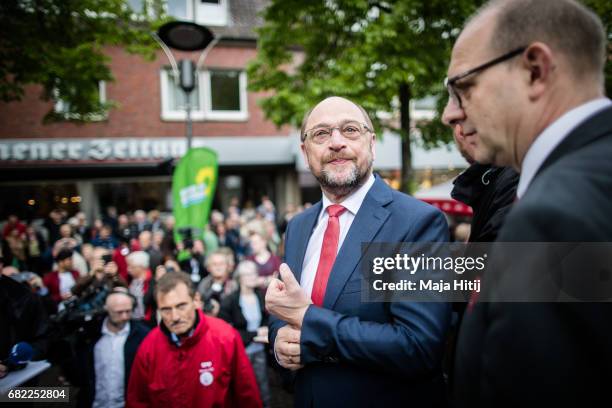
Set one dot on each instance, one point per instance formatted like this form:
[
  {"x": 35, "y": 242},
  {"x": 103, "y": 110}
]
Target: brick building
[{"x": 125, "y": 159}]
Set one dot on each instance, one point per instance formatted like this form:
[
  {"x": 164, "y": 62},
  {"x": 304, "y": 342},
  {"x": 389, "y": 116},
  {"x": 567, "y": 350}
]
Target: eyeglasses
[
  {"x": 349, "y": 130},
  {"x": 449, "y": 83}
]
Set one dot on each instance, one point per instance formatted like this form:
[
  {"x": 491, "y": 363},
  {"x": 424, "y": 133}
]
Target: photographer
[
  {"x": 22, "y": 318},
  {"x": 60, "y": 281},
  {"x": 217, "y": 285},
  {"x": 194, "y": 265},
  {"x": 104, "y": 275}
]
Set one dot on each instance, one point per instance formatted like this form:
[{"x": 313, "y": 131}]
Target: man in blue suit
[{"x": 345, "y": 352}]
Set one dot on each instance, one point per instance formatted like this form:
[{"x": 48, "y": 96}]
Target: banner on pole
[{"x": 193, "y": 188}]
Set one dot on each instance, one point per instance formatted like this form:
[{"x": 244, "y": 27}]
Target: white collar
[
  {"x": 552, "y": 136},
  {"x": 123, "y": 332},
  {"x": 353, "y": 201}
]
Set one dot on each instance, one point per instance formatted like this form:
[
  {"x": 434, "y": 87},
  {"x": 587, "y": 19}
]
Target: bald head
[
  {"x": 119, "y": 307},
  {"x": 341, "y": 155},
  {"x": 568, "y": 27},
  {"x": 333, "y": 105}
]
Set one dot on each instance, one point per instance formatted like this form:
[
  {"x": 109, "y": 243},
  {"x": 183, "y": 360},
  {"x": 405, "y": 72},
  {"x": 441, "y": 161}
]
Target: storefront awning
[
  {"x": 53, "y": 171},
  {"x": 440, "y": 196}
]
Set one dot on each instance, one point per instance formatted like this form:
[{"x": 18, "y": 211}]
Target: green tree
[
  {"x": 381, "y": 54},
  {"x": 59, "y": 44},
  {"x": 603, "y": 8}
]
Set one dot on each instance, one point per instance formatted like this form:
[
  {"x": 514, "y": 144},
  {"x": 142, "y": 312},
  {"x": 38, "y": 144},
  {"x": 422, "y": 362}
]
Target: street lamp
[{"x": 185, "y": 36}]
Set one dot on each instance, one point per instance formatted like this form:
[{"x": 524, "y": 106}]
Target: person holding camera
[
  {"x": 22, "y": 319},
  {"x": 60, "y": 281},
  {"x": 217, "y": 285},
  {"x": 194, "y": 265},
  {"x": 106, "y": 357},
  {"x": 103, "y": 276}
]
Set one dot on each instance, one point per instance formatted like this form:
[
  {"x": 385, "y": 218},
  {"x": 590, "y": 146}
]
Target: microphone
[{"x": 21, "y": 354}]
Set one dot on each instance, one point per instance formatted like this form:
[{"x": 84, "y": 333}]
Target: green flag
[{"x": 193, "y": 189}]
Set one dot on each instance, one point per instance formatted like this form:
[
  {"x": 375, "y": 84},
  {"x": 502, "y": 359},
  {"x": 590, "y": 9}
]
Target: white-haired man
[{"x": 138, "y": 268}]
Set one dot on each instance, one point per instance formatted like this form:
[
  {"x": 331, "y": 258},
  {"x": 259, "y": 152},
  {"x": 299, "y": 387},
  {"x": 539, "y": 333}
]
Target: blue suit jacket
[{"x": 369, "y": 354}]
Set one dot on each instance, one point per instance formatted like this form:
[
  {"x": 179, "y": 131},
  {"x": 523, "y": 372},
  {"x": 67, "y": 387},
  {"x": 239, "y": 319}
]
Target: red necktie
[{"x": 328, "y": 253}]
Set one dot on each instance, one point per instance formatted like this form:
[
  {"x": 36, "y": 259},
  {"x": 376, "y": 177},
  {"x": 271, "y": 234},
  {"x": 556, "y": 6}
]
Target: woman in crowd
[
  {"x": 267, "y": 263},
  {"x": 245, "y": 310}
]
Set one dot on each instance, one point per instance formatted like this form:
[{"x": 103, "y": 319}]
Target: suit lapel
[
  {"x": 303, "y": 230},
  {"x": 590, "y": 130},
  {"x": 369, "y": 219}
]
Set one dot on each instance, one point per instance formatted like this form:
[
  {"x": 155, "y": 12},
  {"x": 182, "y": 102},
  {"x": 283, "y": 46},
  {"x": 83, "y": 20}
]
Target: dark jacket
[
  {"x": 22, "y": 318},
  {"x": 85, "y": 360},
  {"x": 490, "y": 191},
  {"x": 546, "y": 354},
  {"x": 187, "y": 267},
  {"x": 231, "y": 312}
]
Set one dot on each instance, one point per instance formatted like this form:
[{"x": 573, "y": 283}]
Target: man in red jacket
[{"x": 190, "y": 360}]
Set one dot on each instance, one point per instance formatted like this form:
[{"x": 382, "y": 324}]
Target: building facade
[{"x": 125, "y": 159}]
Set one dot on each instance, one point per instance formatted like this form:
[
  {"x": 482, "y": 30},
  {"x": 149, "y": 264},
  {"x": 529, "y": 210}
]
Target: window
[
  {"x": 62, "y": 108},
  {"x": 226, "y": 96},
  {"x": 211, "y": 12},
  {"x": 220, "y": 94},
  {"x": 174, "y": 99},
  {"x": 205, "y": 12},
  {"x": 178, "y": 9}
]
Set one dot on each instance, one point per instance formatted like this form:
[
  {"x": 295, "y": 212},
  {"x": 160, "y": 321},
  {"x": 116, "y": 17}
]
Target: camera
[
  {"x": 186, "y": 237},
  {"x": 106, "y": 258}
]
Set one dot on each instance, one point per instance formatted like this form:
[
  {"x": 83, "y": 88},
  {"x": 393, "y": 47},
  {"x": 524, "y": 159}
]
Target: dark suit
[
  {"x": 369, "y": 354},
  {"x": 86, "y": 361},
  {"x": 547, "y": 354}
]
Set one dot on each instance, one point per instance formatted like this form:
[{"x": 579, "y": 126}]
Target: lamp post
[{"x": 185, "y": 36}]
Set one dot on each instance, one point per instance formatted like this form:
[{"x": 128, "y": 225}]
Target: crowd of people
[
  {"x": 72, "y": 268},
  {"x": 528, "y": 111}
]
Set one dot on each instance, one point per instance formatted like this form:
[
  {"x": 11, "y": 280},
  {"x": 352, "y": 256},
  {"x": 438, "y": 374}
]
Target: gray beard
[{"x": 355, "y": 181}]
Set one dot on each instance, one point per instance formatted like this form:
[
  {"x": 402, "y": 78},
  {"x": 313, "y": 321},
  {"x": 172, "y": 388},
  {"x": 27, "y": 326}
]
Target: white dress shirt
[
  {"x": 552, "y": 136},
  {"x": 110, "y": 369},
  {"x": 311, "y": 260}
]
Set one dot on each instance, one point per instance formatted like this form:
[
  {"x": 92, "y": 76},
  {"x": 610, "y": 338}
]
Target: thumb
[
  {"x": 288, "y": 277},
  {"x": 277, "y": 285}
]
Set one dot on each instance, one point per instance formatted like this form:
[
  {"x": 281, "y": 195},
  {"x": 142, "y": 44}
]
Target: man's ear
[
  {"x": 538, "y": 59},
  {"x": 304, "y": 154},
  {"x": 373, "y": 146}
]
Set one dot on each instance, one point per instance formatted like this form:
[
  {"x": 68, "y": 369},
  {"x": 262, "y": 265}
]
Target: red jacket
[
  {"x": 208, "y": 369},
  {"x": 121, "y": 262},
  {"x": 51, "y": 281}
]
